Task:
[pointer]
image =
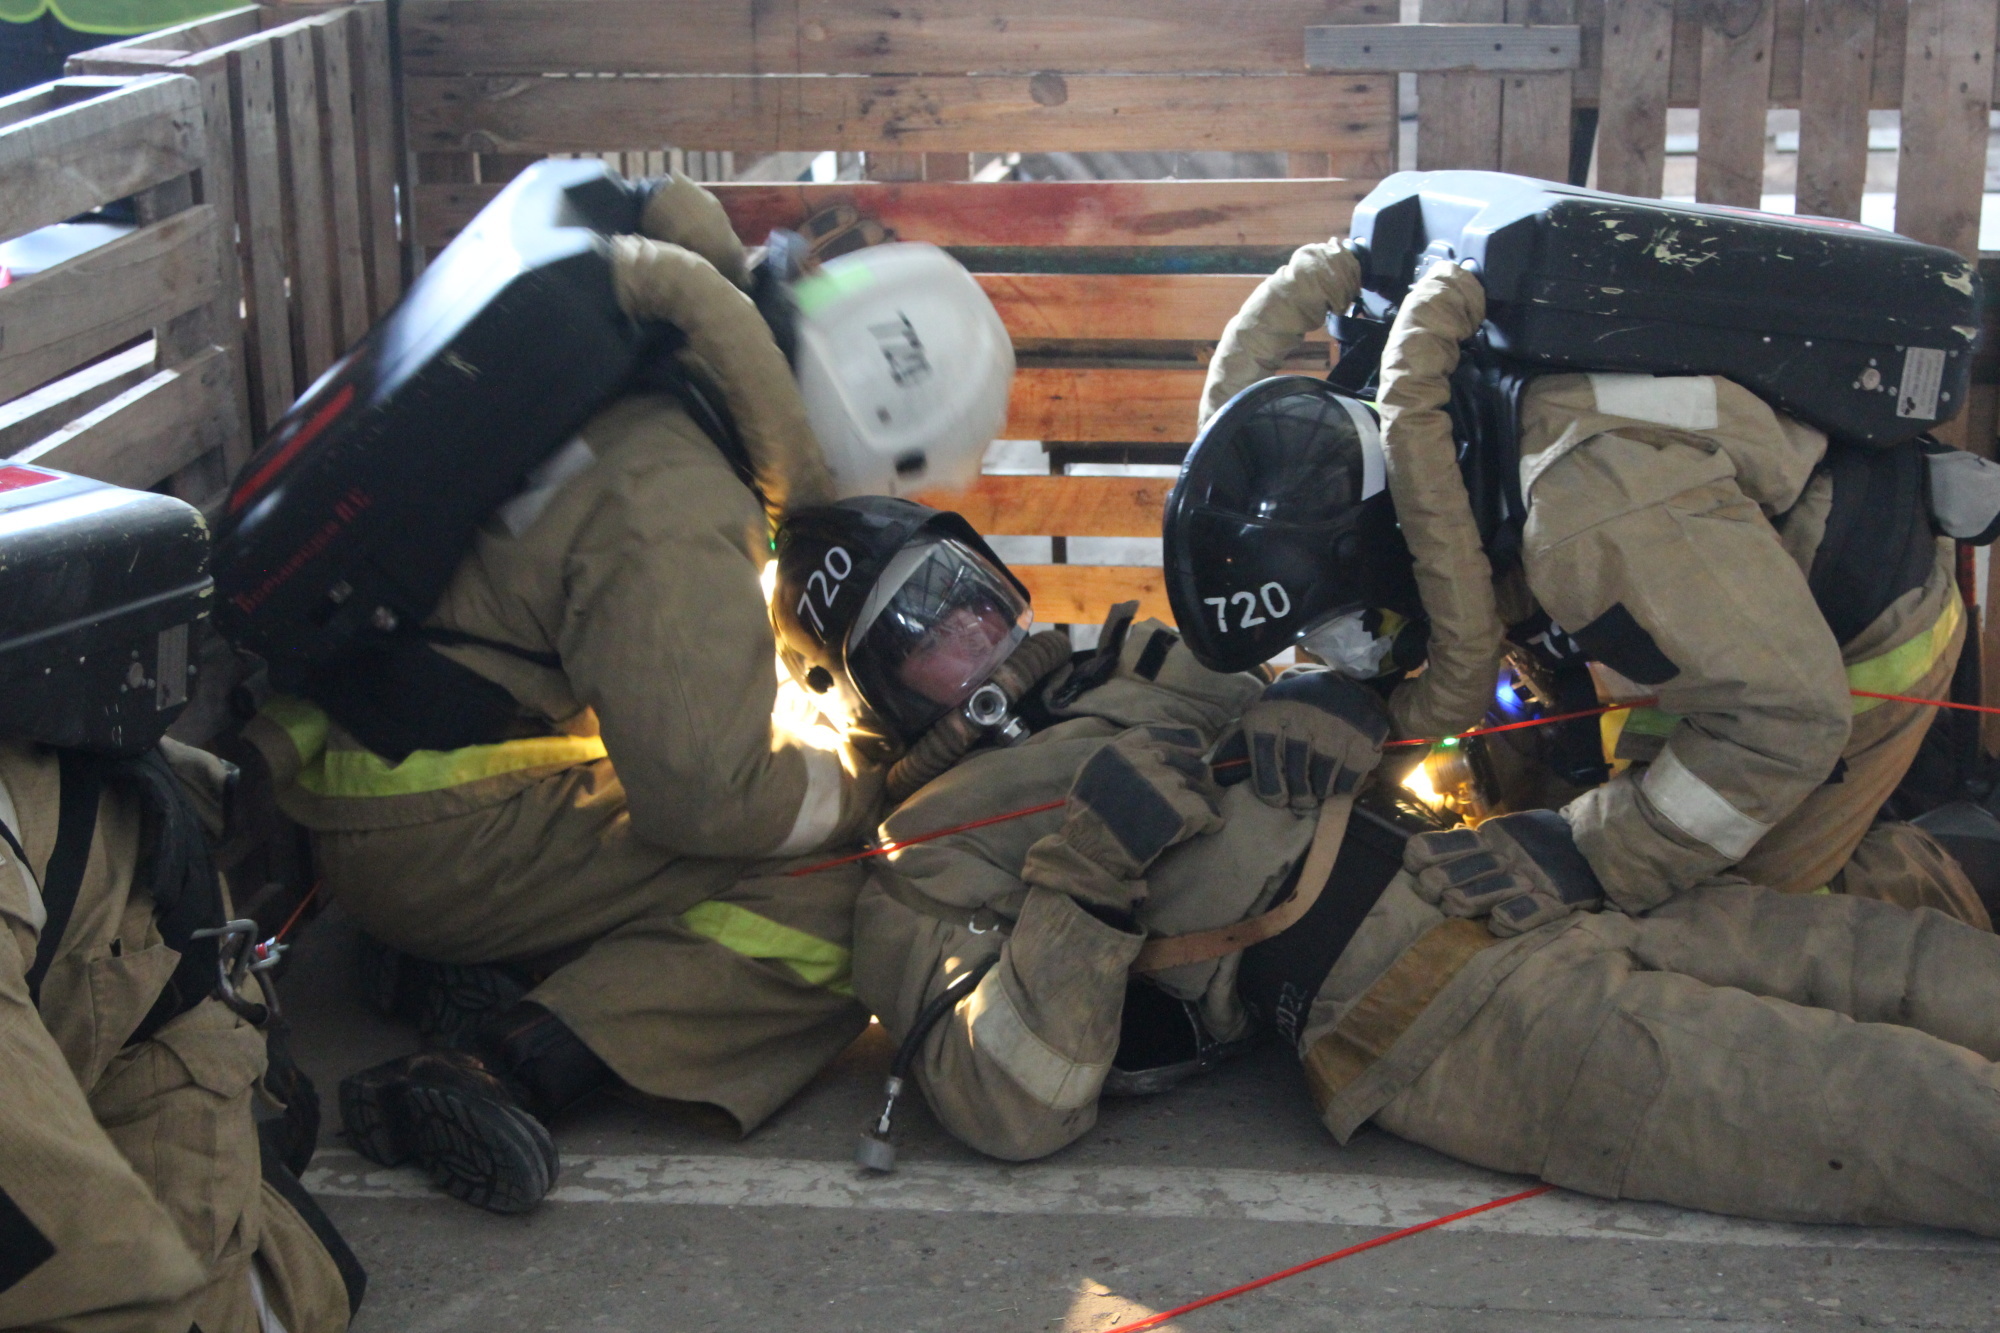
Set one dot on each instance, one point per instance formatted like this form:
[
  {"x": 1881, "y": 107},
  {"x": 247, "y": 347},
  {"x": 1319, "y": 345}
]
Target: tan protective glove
[
  {"x": 1312, "y": 735},
  {"x": 1519, "y": 871},
  {"x": 1136, "y": 797},
  {"x": 1319, "y": 280},
  {"x": 1454, "y": 579}
]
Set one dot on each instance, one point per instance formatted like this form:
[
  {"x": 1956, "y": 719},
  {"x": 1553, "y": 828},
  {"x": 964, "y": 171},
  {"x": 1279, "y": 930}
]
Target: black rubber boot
[
  {"x": 546, "y": 1061},
  {"x": 1971, "y": 835},
  {"x": 446, "y": 1002},
  {"x": 464, "y": 1124}
]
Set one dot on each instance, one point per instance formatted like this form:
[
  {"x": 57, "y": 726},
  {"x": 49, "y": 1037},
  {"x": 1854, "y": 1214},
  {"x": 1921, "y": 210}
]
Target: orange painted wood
[
  {"x": 1060, "y": 506},
  {"x": 1115, "y": 406},
  {"x": 1083, "y": 594},
  {"x": 1180, "y": 306}
]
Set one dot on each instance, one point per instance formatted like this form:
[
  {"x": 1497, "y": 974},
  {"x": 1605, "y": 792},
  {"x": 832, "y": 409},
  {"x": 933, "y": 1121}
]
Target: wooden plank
[
  {"x": 1119, "y": 307},
  {"x": 1735, "y": 90},
  {"x": 865, "y": 36},
  {"x": 67, "y": 160},
  {"x": 375, "y": 95},
  {"x": 1392, "y": 48},
  {"x": 1838, "y": 58},
  {"x": 33, "y": 415},
  {"x": 1345, "y": 116},
  {"x": 947, "y": 166},
  {"x": 308, "y": 245},
  {"x": 197, "y": 35},
  {"x": 1029, "y": 213},
  {"x": 1535, "y": 107},
  {"x": 260, "y": 223},
  {"x": 58, "y": 319},
  {"x": 1632, "y": 113},
  {"x": 1458, "y": 122},
  {"x": 1085, "y": 594},
  {"x": 150, "y": 431},
  {"x": 332, "y": 65},
  {"x": 1127, "y": 406},
  {"x": 1060, "y": 506},
  {"x": 1947, "y": 93}
]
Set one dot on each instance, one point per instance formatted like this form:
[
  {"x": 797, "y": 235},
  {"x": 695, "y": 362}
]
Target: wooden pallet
[{"x": 121, "y": 363}]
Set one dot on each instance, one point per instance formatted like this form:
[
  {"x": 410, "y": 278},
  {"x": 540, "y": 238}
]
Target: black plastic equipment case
[
  {"x": 100, "y": 590},
  {"x": 349, "y": 521},
  {"x": 1860, "y": 332}
]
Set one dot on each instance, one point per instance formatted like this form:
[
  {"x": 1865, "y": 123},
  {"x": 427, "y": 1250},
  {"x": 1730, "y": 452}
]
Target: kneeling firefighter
[
  {"x": 504, "y": 563},
  {"x": 136, "y": 1191},
  {"x": 1531, "y": 493},
  {"x": 1166, "y": 861}
]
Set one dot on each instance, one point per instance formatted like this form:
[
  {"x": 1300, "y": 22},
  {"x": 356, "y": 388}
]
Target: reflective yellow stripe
[
  {"x": 1894, "y": 672},
  {"x": 740, "y": 930},
  {"x": 363, "y": 773},
  {"x": 1897, "y": 670},
  {"x": 303, "y": 723}
]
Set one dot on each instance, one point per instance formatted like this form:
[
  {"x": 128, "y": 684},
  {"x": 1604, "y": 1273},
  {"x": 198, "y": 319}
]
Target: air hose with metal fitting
[
  {"x": 876, "y": 1151},
  {"x": 988, "y": 711}
]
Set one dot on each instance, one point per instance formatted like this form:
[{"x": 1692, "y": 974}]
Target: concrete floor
[{"x": 658, "y": 1223}]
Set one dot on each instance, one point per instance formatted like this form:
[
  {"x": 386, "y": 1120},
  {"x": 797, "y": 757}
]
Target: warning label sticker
[
  {"x": 16, "y": 477},
  {"x": 1923, "y": 375}
]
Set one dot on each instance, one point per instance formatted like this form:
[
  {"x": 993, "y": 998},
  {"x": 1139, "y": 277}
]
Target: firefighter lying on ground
[
  {"x": 615, "y": 602},
  {"x": 135, "y": 1191},
  {"x": 1713, "y": 552},
  {"x": 1815, "y": 1058}
]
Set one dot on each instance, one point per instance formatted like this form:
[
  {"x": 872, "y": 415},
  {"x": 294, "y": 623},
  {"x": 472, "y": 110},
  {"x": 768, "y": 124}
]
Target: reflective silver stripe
[
  {"x": 819, "y": 810},
  {"x": 1001, "y": 1035},
  {"x": 1684, "y": 402},
  {"x": 1699, "y": 810}
]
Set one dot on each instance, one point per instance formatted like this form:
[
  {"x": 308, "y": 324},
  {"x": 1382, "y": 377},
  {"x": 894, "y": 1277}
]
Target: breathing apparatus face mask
[{"x": 938, "y": 622}]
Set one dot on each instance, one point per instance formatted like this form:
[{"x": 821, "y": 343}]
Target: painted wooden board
[
  {"x": 1125, "y": 406},
  {"x": 1011, "y": 213},
  {"x": 151, "y": 430},
  {"x": 308, "y": 241},
  {"x": 1119, "y": 307},
  {"x": 198, "y": 35},
  {"x": 347, "y": 247},
  {"x": 1459, "y": 124},
  {"x": 1346, "y": 116},
  {"x": 1632, "y": 113},
  {"x": 1060, "y": 506},
  {"x": 1838, "y": 57},
  {"x": 865, "y": 36},
  {"x": 1084, "y": 594},
  {"x": 1735, "y": 90},
  {"x": 53, "y": 321},
  {"x": 69, "y": 159},
  {"x": 1391, "y": 48}
]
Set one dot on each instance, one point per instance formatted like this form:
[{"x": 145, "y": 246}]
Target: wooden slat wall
[
  {"x": 303, "y": 146},
  {"x": 119, "y": 363}
]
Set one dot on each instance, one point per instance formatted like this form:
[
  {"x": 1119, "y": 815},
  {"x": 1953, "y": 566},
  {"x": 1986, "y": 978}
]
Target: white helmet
[{"x": 904, "y": 366}]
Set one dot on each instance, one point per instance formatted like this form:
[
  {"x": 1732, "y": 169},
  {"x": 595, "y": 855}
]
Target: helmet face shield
[
  {"x": 939, "y": 620},
  {"x": 1279, "y": 522}
]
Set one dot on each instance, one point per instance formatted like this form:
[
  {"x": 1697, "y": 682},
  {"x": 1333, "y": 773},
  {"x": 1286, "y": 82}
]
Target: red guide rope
[{"x": 1155, "y": 1320}]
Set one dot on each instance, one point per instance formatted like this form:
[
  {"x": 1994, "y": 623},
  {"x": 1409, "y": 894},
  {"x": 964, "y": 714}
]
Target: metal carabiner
[{"x": 233, "y": 963}]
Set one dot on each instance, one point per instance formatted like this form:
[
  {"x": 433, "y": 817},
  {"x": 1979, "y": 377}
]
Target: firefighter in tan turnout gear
[
  {"x": 1701, "y": 549},
  {"x": 619, "y": 851},
  {"x": 1029, "y": 967},
  {"x": 135, "y": 1192}
]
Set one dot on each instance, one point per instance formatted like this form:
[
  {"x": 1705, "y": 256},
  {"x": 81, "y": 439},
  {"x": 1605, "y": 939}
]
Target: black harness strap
[{"x": 76, "y": 828}]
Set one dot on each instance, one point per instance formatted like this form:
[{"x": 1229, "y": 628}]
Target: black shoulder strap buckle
[{"x": 1097, "y": 670}]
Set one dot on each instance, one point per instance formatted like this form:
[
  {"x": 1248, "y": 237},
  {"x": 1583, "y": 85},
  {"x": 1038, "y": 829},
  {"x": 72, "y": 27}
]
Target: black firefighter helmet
[
  {"x": 891, "y": 614},
  {"x": 1280, "y": 523}
]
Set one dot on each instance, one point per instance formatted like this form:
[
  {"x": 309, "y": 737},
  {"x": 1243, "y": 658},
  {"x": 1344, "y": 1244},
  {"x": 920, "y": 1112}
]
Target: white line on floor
[{"x": 1146, "y": 1192}]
